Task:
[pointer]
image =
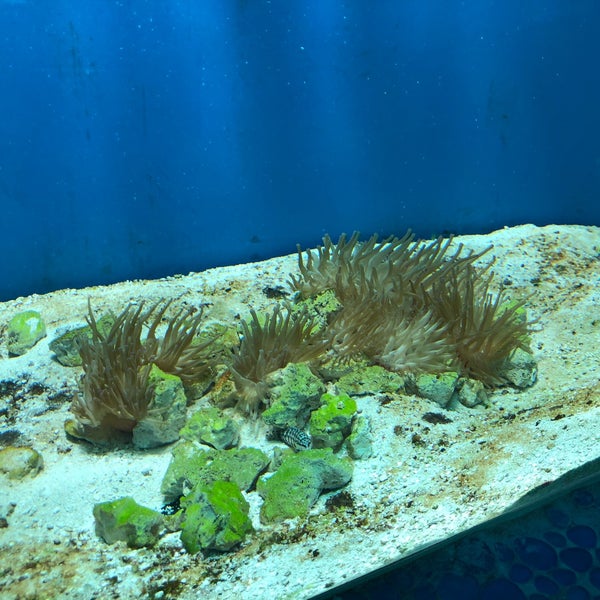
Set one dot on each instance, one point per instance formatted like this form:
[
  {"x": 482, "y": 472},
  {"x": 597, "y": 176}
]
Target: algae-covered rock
[
  {"x": 294, "y": 392},
  {"x": 215, "y": 518},
  {"x": 66, "y": 346},
  {"x": 330, "y": 424},
  {"x": 438, "y": 387},
  {"x": 471, "y": 392},
  {"x": 166, "y": 413},
  {"x": 295, "y": 486},
  {"x": 359, "y": 443},
  {"x": 24, "y": 331},
  {"x": 124, "y": 519},
  {"x": 210, "y": 426},
  {"x": 17, "y": 463},
  {"x": 191, "y": 465},
  {"x": 370, "y": 380},
  {"x": 520, "y": 369}
]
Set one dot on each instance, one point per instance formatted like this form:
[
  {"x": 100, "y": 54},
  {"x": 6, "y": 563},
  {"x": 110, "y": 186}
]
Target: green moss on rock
[
  {"x": 191, "y": 465},
  {"x": 24, "y": 331},
  {"x": 293, "y": 489},
  {"x": 124, "y": 519},
  {"x": 215, "y": 517},
  {"x": 371, "y": 380},
  {"x": 210, "y": 426},
  {"x": 294, "y": 392},
  {"x": 166, "y": 414},
  {"x": 331, "y": 423}
]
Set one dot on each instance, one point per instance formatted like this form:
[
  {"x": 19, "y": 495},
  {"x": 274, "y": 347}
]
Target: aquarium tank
[{"x": 142, "y": 139}]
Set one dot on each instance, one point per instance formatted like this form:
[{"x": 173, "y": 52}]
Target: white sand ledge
[{"x": 405, "y": 496}]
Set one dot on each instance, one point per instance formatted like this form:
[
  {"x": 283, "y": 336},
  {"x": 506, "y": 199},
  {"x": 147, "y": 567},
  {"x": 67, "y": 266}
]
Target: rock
[
  {"x": 438, "y": 387},
  {"x": 520, "y": 369},
  {"x": 331, "y": 423},
  {"x": 191, "y": 465},
  {"x": 293, "y": 489},
  {"x": 215, "y": 517},
  {"x": 17, "y": 463},
  {"x": 370, "y": 380},
  {"x": 470, "y": 392},
  {"x": 359, "y": 443},
  {"x": 124, "y": 519},
  {"x": 294, "y": 392},
  {"x": 25, "y": 329},
  {"x": 166, "y": 413},
  {"x": 66, "y": 346},
  {"x": 210, "y": 426}
]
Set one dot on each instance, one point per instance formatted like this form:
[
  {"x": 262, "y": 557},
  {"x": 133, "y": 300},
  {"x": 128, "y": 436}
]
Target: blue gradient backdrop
[{"x": 140, "y": 139}]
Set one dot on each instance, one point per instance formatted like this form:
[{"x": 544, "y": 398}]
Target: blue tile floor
[{"x": 547, "y": 545}]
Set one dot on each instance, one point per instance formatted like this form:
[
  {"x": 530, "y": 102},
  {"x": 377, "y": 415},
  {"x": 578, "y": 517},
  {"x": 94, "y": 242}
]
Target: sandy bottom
[{"x": 405, "y": 496}]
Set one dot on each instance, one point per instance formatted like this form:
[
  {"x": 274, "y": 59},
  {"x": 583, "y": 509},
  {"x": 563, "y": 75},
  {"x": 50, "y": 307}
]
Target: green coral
[
  {"x": 166, "y": 412},
  {"x": 124, "y": 519}
]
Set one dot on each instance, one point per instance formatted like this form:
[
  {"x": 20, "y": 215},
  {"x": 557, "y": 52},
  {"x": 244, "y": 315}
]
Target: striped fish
[{"x": 296, "y": 439}]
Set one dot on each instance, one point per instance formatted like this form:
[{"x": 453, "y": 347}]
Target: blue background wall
[{"x": 140, "y": 139}]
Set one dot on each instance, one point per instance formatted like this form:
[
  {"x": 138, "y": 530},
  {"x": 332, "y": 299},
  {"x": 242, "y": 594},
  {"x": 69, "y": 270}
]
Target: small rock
[
  {"x": 520, "y": 369},
  {"x": 124, "y": 519},
  {"x": 360, "y": 443},
  {"x": 191, "y": 465},
  {"x": 331, "y": 423},
  {"x": 166, "y": 414},
  {"x": 294, "y": 392},
  {"x": 25, "y": 329},
  {"x": 16, "y": 463},
  {"x": 471, "y": 392},
  {"x": 210, "y": 426},
  {"x": 438, "y": 387},
  {"x": 295, "y": 486},
  {"x": 215, "y": 518}
]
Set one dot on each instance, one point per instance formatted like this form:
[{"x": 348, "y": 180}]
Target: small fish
[{"x": 296, "y": 439}]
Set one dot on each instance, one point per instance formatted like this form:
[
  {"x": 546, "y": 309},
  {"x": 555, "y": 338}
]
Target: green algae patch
[
  {"x": 24, "y": 331},
  {"x": 331, "y": 423},
  {"x": 191, "y": 465},
  {"x": 125, "y": 520},
  {"x": 371, "y": 380},
  {"x": 17, "y": 463},
  {"x": 210, "y": 426},
  {"x": 438, "y": 387},
  {"x": 215, "y": 517},
  {"x": 293, "y": 489},
  {"x": 166, "y": 411},
  {"x": 294, "y": 391}
]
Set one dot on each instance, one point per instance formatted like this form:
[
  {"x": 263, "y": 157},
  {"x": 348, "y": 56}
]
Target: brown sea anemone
[{"x": 268, "y": 344}]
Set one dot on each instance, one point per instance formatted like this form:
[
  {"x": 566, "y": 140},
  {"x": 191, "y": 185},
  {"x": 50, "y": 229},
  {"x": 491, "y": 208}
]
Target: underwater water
[{"x": 140, "y": 139}]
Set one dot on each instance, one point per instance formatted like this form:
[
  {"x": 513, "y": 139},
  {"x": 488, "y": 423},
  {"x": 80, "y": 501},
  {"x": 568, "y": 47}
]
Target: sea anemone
[
  {"x": 282, "y": 338},
  {"x": 414, "y": 306},
  {"x": 115, "y": 393}
]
